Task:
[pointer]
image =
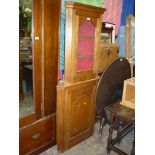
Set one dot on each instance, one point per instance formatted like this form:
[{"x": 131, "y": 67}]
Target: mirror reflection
[{"x": 26, "y": 105}]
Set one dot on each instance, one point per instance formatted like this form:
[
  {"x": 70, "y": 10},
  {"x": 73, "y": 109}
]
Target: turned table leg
[
  {"x": 109, "y": 140},
  {"x": 102, "y": 122}
]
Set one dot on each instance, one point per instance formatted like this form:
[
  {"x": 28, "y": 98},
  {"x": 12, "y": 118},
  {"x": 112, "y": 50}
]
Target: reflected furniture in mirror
[
  {"x": 39, "y": 48},
  {"x": 76, "y": 92},
  {"x": 21, "y": 93},
  {"x": 25, "y": 56}
]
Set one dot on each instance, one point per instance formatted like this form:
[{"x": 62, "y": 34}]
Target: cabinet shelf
[
  {"x": 85, "y": 56},
  {"x": 86, "y": 36}
]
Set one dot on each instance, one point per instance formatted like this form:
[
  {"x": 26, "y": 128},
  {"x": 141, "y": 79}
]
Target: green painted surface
[{"x": 98, "y": 3}]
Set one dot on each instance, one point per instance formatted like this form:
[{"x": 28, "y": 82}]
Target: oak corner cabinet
[{"x": 76, "y": 93}]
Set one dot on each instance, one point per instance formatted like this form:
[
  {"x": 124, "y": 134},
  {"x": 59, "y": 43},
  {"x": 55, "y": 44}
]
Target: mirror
[{"x": 26, "y": 105}]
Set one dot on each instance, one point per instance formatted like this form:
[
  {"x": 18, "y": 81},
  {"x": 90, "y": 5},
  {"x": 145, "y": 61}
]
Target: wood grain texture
[
  {"x": 76, "y": 14},
  {"x": 38, "y": 130},
  {"x": 36, "y": 136},
  {"x": 76, "y": 117},
  {"x": 128, "y": 98},
  {"x": 128, "y": 36},
  {"x": 50, "y": 41},
  {"x": 76, "y": 95},
  {"x": 107, "y": 53},
  {"x": 36, "y": 28},
  {"x": 84, "y": 7}
]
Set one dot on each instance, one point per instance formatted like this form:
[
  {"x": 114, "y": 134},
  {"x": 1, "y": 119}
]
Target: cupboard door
[
  {"x": 75, "y": 113},
  {"x": 81, "y": 112}
]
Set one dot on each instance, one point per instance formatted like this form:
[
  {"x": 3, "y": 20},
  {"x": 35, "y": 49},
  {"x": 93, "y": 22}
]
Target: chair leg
[{"x": 119, "y": 130}]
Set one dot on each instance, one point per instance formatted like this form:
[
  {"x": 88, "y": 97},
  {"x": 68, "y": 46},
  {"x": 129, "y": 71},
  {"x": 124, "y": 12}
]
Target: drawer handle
[
  {"x": 36, "y": 136},
  {"x": 84, "y": 103}
]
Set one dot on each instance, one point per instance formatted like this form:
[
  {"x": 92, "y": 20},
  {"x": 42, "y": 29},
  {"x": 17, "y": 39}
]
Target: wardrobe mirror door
[{"x": 26, "y": 101}]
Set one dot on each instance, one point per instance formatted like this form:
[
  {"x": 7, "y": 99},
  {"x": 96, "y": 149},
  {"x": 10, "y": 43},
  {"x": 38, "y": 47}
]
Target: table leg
[
  {"x": 109, "y": 140},
  {"x": 102, "y": 123}
]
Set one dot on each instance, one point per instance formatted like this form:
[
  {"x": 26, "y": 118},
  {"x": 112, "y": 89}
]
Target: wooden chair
[
  {"x": 110, "y": 88},
  {"x": 125, "y": 115}
]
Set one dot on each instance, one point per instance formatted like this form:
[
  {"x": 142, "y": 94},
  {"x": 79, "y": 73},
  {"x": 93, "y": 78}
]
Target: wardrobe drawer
[{"x": 36, "y": 135}]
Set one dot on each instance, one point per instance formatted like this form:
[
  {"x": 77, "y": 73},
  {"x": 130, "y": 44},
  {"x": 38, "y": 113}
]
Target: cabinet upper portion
[{"x": 83, "y": 29}]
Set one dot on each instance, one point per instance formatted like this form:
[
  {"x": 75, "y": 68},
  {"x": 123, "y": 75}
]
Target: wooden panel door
[
  {"x": 75, "y": 113},
  {"x": 81, "y": 112}
]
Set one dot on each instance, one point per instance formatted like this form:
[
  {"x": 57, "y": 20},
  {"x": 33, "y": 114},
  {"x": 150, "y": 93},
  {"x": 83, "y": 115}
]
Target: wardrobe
[{"x": 37, "y": 130}]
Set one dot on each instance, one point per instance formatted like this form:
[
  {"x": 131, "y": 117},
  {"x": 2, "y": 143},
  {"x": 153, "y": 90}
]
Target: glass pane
[
  {"x": 85, "y": 50},
  {"x": 26, "y": 105}
]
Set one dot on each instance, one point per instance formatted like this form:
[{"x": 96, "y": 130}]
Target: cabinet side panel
[
  {"x": 60, "y": 118},
  {"x": 68, "y": 44}
]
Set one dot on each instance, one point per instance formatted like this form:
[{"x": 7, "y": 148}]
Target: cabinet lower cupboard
[{"x": 75, "y": 112}]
